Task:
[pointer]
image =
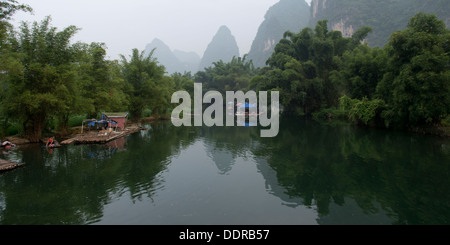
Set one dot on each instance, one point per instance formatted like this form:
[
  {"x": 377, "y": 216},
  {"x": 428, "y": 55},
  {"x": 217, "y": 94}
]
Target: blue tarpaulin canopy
[
  {"x": 101, "y": 123},
  {"x": 247, "y": 105}
]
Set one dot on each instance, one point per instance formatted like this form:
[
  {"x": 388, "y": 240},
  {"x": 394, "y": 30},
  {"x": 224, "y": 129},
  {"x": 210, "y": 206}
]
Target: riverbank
[
  {"x": 332, "y": 116},
  {"x": 74, "y": 134}
]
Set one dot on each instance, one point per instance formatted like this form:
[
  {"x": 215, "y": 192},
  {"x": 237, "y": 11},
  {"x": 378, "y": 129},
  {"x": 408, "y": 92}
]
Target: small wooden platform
[
  {"x": 7, "y": 165},
  {"x": 99, "y": 137}
]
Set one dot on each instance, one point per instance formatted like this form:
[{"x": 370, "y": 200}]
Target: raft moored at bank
[
  {"x": 8, "y": 165},
  {"x": 100, "y": 137},
  {"x": 109, "y": 127}
]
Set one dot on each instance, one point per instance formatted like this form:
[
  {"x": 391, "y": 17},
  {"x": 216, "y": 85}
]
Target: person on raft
[
  {"x": 50, "y": 142},
  {"x": 7, "y": 144}
]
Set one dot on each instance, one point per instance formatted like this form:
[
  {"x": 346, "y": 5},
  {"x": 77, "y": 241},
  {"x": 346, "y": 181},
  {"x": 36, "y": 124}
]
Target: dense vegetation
[
  {"x": 384, "y": 16},
  {"x": 414, "y": 89},
  {"x": 46, "y": 80},
  {"x": 404, "y": 85}
]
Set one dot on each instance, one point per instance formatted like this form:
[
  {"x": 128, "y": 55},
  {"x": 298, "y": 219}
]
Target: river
[{"x": 311, "y": 173}]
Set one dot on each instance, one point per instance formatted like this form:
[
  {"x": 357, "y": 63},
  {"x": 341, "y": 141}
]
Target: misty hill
[
  {"x": 384, "y": 16},
  {"x": 222, "y": 47},
  {"x": 187, "y": 57},
  {"x": 176, "y": 61},
  {"x": 292, "y": 15},
  {"x": 189, "y": 60}
]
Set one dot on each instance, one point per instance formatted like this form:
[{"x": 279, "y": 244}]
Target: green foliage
[
  {"x": 76, "y": 120},
  {"x": 184, "y": 82},
  {"x": 360, "y": 70},
  {"x": 7, "y": 10},
  {"x": 302, "y": 65},
  {"x": 40, "y": 78},
  {"x": 362, "y": 111},
  {"x": 147, "y": 85},
  {"x": 416, "y": 86},
  {"x": 101, "y": 81},
  {"x": 331, "y": 113},
  {"x": 46, "y": 82},
  {"x": 232, "y": 76},
  {"x": 384, "y": 16},
  {"x": 404, "y": 85},
  {"x": 9, "y": 7}
]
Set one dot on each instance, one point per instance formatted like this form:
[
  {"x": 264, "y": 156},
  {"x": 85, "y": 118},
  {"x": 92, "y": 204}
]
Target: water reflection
[
  {"x": 70, "y": 185},
  {"x": 224, "y": 144},
  {"x": 401, "y": 176},
  {"x": 104, "y": 151},
  {"x": 341, "y": 174}
]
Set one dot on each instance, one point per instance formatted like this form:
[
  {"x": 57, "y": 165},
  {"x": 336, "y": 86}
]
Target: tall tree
[
  {"x": 301, "y": 68},
  {"x": 40, "y": 76},
  {"x": 360, "y": 70},
  {"x": 148, "y": 86},
  {"x": 416, "y": 87},
  {"x": 227, "y": 76},
  {"x": 184, "y": 82},
  {"x": 7, "y": 9},
  {"x": 103, "y": 87}
]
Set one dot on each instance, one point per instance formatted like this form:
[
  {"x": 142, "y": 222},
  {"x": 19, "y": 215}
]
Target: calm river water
[{"x": 309, "y": 174}]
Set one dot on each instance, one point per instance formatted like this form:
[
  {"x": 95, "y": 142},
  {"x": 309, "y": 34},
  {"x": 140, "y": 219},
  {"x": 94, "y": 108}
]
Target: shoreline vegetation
[
  {"x": 328, "y": 117},
  {"x": 75, "y": 131},
  {"x": 49, "y": 84}
]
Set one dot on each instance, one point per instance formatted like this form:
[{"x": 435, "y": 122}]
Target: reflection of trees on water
[
  {"x": 384, "y": 173},
  {"x": 67, "y": 186},
  {"x": 272, "y": 185},
  {"x": 348, "y": 174},
  {"x": 104, "y": 151},
  {"x": 374, "y": 176}
]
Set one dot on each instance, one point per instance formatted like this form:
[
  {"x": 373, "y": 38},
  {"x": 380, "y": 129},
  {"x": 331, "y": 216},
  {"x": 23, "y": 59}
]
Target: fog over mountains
[
  {"x": 286, "y": 15},
  {"x": 222, "y": 47},
  {"x": 174, "y": 61},
  {"x": 384, "y": 16}
]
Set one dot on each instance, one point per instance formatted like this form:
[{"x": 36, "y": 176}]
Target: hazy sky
[{"x": 187, "y": 25}]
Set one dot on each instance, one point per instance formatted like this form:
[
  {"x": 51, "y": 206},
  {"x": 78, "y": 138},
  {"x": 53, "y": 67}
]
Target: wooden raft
[
  {"x": 7, "y": 165},
  {"x": 99, "y": 138}
]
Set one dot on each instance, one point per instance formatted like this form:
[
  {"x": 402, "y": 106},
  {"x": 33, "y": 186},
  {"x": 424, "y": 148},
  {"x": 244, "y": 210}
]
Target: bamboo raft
[
  {"x": 7, "y": 165},
  {"x": 99, "y": 137}
]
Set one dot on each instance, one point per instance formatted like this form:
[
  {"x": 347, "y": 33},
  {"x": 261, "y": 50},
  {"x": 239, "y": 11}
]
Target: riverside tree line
[{"x": 45, "y": 79}]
